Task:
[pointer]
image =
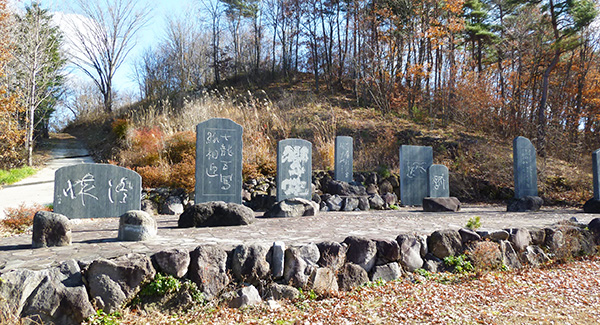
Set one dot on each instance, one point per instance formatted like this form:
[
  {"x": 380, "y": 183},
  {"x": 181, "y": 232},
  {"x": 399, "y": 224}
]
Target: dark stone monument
[
  {"x": 96, "y": 191},
  {"x": 438, "y": 185},
  {"x": 294, "y": 169},
  {"x": 344, "y": 158},
  {"x": 524, "y": 166},
  {"x": 414, "y": 162},
  {"x": 593, "y": 204},
  {"x": 219, "y": 161}
]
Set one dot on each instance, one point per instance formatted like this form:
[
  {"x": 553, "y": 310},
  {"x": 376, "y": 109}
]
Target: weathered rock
[
  {"x": 538, "y": 236},
  {"x": 351, "y": 276},
  {"x": 334, "y": 203},
  {"x": 386, "y": 187},
  {"x": 433, "y": 264},
  {"x": 116, "y": 281},
  {"x": 520, "y": 238},
  {"x": 372, "y": 178},
  {"x": 410, "y": 252},
  {"x": 592, "y": 206},
  {"x": 497, "y": 235},
  {"x": 246, "y": 296},
  {"x": 323, "y": 281},
  {"x": 208, "y": 269},
  {"x": 281, "y": 291},
  {"x": 468, "y": 235},
  {"x": 172, "y": 205},
  {"x": 215, "y": 214},
  {"x": 444, "y": 243},
  {"x": 387, "y": 251},
  {"x": 350, "y": 204},
  {"x": 277, "y": 259},
  {"x": 525, "y": 204},
  {"x": 136, "y": 225},
  {"x": 149, "y": 207},
  {"x": 173, "y": 261},
  {"x": 390, "y": 199},
  {"x": 372, "y": 189},
  {"x": 249, "y": 264},
  {"x": 441, "y": 204},
  {"x": 386, "y": 272},
  {"x": 534, "y": 256},
  {"x": 485, "y": 255},
  {"x": 509, "y": 256},
  {"x": 361, "y": 251},
  {"x": 332, "y": 254},
  {"x": 594, "y": 227},
  {"x": 299, "y": 264},
  {"x": 363, "y": 203},
  {"x": 50, "y": 229},
  {"x": 52, "y": 296},
  {"x": 294, "y": 207},
  {"x": 376, "y": 202},
  {"x": 344, "y": 189}
]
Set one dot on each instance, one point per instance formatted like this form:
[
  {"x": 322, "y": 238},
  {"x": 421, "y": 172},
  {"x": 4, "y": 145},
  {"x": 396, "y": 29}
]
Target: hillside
[{"x": 157, "y": 140}]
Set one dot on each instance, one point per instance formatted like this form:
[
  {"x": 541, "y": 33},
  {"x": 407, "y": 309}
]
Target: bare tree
[
  {"x": 215, "y": 10},
  {"x": 104, "y": 37}
]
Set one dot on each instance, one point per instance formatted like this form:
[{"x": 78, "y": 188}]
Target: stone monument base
[
  {"x": 591, "y": 206},
  {"x": 441, "y": 204},
  {"x": 525, "y": 204}
]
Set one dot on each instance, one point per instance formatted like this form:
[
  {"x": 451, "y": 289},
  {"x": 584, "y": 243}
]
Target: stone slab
[
  {"x": 294, "y": 169},
  {"x": 219, "y": 161},
  {"x": 438, "y": 184},
  {"x": 96, "y": 191},
  {"x": 414, "y": 162},
  {"x": 344, "y": 159},
  {"x": 524, "y": 168},
  {"x": 596, "y": 170}
]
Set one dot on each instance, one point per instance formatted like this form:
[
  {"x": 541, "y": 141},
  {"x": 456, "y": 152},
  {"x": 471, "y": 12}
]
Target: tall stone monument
[
  {"x": 525, "y": 175},
  {"x": 438, "y": 185},
  {"x": 96, "y": 191},
  {"x": 593, "y": 204},
  {"x": 294, "y": 169},
  {"x": 219, "y": 161},
  {"x": 344, "y": 159},
  {"x": 414, "y": 162}
]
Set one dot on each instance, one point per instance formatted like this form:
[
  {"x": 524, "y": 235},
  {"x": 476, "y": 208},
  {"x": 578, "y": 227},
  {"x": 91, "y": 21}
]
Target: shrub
[
  {"x": 181, "y": 146},
  {"x": 474, "y": 223},
  {"x": 460, "y": 263},
  {"x": 183, "y": 174},
  {"x": 19, "y": 219},
  {"x": 154, "y": 176},
  {"x": 120, "y": 127},
  {"x": 485, "y": 256},
  {"x": 149, "y": 144}
]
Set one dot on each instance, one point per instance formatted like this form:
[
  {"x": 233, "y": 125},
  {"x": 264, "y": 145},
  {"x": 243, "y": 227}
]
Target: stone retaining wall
[{"x": 250, "y": 273}]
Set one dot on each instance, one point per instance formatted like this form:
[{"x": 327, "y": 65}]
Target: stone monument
[
  {"x": 294, "y": 169},
  {"x": 218, "y": 161},
  {"x": 593, "y": 204},
  {"x": 344, "y": 158},
  {"x": 438, "y": 185},
  {"x": 414, "y": 162},
  {"x": 96, "y": 191},
  {"x": 525, "y": 175}
]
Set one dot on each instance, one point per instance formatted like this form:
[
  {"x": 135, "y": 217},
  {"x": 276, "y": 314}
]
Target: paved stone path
[
  {"x": 96, "y": 238},
  {"x": 39, "y": 188}
]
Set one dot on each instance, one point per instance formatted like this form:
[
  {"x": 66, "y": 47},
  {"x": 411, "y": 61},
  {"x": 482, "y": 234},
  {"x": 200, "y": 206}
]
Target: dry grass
[{"x": 18, "y": 220}]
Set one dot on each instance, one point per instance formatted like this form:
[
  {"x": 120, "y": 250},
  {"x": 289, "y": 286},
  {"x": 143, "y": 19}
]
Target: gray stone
[
  {"x": 172, "y": 206},
  {"x": 215, "y": 214},
  {"x": 361, "y": 251},
  {"x": 525, "y": 204},
  {"x": 136, "y": 225},
  {"x": 345, "y": 189},
  {"x": 344, "y": 159},
  {"x": 115, "y": 282},
  {"x": 299, "y": 264},
  {"x": 291, "y": 208},
  {"x": 52, "y": 296},
  {"x": 372, "y": 178},
  {"x": 277, "y": 259},
  {"x": 218, "y": 161},
  {"x": 50, "y": 229},
  {"x": 595, "y": 175},
  {"x": 390, "y": 199},
  {"x": 468, "y": 235},
  {"x": 174, "y": 262},
  {"x": 372, "y": 189},
  {"x": 441, "y": 204},
  {"x": 594, "y": 227},
  {"x": 294, "y": 169},
  {"x": 334, "y": 203},
  {"x": 410, "y": 252},
  {"x": 520, "y": 238},
  {"x": 149, "y": 206},
  {"x": 414, "y": 162},
  {"x": 281, "y": 291},
  {"x": 433, "y": 264},
  {"x": 524, "y": 168},
  {"x": 332, "y": 254},
  {"x": 509, "y": 256},
  {"x": 363, "y": 203},
  {"x": 208, "y": 269},
  {"x": 244, "y": 297},
  {"x": 497, "y": 235},
  {"x": 351, "y": 276},
  {"x": 444, "y": 243},
  {"x": 386, "y": 272},
  {"x": 323, "y": 281},
  {"x": 387, "y": 251},
  {"x": 438, "y": 184},
  {"x": 249, "y": 263},
  {"x": 534, "y": 255},
  {"x": 386, "y": 187},
  {"x": 591, "y": 206},
  {"x": 538, "y": 236},
  {"x": 96, "y": 191},
  {"x": 376, "y": 202},
  {"x": 350, "y": 204}
]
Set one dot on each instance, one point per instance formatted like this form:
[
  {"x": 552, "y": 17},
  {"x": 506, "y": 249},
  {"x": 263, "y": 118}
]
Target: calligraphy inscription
[
  {"x": 416, "y": 169},
  {"x": 218, "y": 161},
  {"x": 296, "y": 158},
  {"x": 438, "y": 182},
  {"x": 85, "y": 188}
]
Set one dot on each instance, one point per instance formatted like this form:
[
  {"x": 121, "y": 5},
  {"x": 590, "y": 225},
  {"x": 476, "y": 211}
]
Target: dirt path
[{"x": 65, "y": 150}]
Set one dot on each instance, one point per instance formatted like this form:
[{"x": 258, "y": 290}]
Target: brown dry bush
[
  {"x": 485, "y": 256},
  {"x": 19, "y": 219}
]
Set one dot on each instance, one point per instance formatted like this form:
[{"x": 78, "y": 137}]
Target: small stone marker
[
  {"x": 294, "y": 169},
  {"x": 438, "y": 181},
  {"x": 524, "y": 166},
  {"x": 414, "y": 162},
  {"x": 596, "y": 170},
  {"x": 96, "y": 191},
  {"x": 344, "y": 158},
  {"x": 219, "y": 161}
]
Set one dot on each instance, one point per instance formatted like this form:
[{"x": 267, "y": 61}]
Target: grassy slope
[{"x": 480, "y": 164}]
